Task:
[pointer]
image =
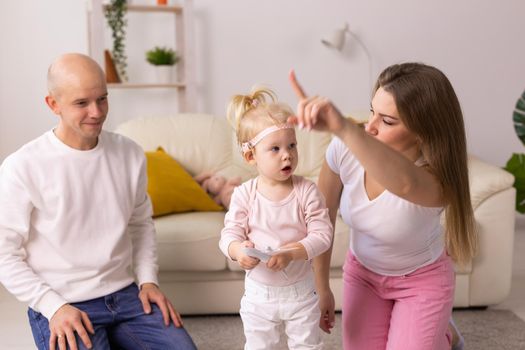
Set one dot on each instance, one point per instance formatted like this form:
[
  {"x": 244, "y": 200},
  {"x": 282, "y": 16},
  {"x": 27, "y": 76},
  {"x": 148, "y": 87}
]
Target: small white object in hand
[{"x": 264, "y": 256}]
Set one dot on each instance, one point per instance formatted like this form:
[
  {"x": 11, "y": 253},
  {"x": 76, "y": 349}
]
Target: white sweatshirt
[{"x": 72, "y": 222}]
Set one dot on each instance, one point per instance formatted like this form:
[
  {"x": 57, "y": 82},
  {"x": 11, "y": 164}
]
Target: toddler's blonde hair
[{"x": 250, "y": 114}]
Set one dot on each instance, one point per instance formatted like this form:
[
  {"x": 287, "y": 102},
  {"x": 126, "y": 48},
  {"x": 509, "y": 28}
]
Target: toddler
[{"x": 280, "y": 214}]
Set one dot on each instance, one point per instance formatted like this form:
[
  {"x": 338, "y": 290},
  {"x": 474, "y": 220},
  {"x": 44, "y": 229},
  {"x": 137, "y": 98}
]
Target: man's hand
[
  {"x": 63, "y": 325},
  {"x": 150, "y": 292}
]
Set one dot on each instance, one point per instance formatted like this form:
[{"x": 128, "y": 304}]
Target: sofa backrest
[
  {"x": 199, "y": 142},
  {"x": 204, "y": 142}
]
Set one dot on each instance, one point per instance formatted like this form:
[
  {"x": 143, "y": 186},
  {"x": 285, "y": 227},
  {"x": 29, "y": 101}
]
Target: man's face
[{"x": 82, "y": 104}]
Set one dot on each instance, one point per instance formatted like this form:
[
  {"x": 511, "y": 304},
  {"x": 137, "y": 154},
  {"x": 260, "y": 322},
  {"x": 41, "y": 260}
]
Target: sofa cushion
[
  {"x": 312, "y": 147},
  {"x": 190, "y": 241},
  {"x": 486, "y": 180},
  {"x": 172, "y": 189},
  {"x": 199, "y": 142}
]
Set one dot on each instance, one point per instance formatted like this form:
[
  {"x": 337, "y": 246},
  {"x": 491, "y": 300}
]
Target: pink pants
[{"x": 409, "y": 312}]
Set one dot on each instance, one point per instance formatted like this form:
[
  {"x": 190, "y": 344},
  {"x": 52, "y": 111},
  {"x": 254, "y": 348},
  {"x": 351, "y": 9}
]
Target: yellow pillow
[{"x": 172, "y": 189}]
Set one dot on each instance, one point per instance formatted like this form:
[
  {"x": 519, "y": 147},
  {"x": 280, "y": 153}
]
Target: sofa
[{"x": 199, "y": 279}]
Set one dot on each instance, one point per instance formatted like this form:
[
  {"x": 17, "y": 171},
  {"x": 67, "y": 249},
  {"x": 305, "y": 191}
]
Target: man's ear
[{"x": 53, "y": 104}]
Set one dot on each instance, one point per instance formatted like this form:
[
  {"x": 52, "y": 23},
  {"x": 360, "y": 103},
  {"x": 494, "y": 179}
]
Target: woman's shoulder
[
  {"x": 338, "y": 148},
  {"x": 339, "y": 157}
]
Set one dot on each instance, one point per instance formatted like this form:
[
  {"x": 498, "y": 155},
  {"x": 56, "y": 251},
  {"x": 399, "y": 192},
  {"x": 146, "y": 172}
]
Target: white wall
[{"x": 477, "y": 43}]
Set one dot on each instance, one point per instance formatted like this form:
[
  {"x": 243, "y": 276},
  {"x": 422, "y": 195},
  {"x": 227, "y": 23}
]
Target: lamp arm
[{"x": 368, "y": 56}]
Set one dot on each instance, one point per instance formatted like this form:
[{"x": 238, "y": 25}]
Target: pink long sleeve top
[{"x": 300, "y": 217}]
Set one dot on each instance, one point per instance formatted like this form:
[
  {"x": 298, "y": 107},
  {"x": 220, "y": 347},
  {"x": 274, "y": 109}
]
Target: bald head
[{"x": 73, "y": 69}]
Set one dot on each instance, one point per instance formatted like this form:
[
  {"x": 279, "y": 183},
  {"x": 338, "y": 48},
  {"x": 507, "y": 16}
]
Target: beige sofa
[{"x": 200, "y": 280}]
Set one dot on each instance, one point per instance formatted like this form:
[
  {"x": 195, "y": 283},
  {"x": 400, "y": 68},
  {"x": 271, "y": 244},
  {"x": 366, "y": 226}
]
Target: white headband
[{"x": 246, "y": 146}]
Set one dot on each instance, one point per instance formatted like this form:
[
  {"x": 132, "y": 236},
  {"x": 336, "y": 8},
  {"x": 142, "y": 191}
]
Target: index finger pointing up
[{"x": 295, "y": 86}]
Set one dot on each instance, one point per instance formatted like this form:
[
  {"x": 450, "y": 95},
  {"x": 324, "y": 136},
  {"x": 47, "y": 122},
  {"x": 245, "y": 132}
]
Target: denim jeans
[{"x": 120, "y": 323}]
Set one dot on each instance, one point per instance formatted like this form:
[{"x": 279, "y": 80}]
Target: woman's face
[{"x": 386, "y": 126}]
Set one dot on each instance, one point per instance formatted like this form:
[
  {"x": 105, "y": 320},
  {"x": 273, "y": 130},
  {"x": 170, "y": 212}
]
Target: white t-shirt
[
  {"x": 72, "y": 222},
  {"x": 390, "y": 235}
]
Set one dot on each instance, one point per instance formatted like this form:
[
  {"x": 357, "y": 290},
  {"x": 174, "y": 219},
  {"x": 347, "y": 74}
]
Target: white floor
[{"x": 15, "y": 333}]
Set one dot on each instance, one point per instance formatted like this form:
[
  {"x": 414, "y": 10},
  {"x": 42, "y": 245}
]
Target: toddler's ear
[{"x": 248, "y": 157}]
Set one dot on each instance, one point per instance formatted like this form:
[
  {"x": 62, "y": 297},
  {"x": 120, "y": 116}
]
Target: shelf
[
  {"x": 183, "y": 23},
  {"x": 145, "y": 85},
  {"x": 150, "y": 8}
]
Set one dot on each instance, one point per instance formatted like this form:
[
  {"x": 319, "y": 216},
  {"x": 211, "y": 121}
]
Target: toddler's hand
[
  {"x": 280, "y": 261},
  {"x": 246, "y": 262},
  {"x": 290, "y": 251}
]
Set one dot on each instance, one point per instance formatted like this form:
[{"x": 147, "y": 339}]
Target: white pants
[{"x": 265, "y": 308}]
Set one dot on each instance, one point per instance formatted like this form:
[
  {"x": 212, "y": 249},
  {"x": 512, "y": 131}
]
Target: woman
[{"x": 391, "y": 181}]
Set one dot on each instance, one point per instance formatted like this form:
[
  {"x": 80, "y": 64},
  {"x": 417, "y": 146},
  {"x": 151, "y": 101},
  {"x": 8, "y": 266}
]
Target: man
[{"x": 76, "y": 227}]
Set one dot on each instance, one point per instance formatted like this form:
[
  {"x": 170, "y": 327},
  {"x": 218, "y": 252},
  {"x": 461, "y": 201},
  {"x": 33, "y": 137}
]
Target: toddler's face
[{"x": 276, "y": 155}]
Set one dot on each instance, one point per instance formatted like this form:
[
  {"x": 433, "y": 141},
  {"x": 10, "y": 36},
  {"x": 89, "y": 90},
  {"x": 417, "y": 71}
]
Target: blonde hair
[
  {"x": 429, "y": 107},
  {"x": 250, "y": 114}
]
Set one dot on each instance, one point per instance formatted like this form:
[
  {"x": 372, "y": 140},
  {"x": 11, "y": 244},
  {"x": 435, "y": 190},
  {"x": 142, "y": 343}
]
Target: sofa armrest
[
  {"x": 491, "y": 275},
  {"x": 486, "y": 180}
]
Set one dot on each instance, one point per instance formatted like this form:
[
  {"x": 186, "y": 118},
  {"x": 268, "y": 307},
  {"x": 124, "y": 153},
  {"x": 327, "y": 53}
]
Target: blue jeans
[{"x": 120, "y": 323}]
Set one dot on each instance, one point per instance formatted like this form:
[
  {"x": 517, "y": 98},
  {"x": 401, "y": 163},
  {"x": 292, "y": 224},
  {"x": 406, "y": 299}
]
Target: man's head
[{"x": 77, "y": 93}]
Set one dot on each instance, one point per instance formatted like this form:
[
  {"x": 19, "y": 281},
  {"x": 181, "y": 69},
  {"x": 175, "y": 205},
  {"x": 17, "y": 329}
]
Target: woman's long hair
[{"x": 429, "y": 108}]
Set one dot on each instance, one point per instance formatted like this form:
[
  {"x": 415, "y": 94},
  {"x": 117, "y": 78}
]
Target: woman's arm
[
  {"x": 386, "y": 166},
  {"x": 395, "y": 172},
  {"x": 331, "y": 187}
]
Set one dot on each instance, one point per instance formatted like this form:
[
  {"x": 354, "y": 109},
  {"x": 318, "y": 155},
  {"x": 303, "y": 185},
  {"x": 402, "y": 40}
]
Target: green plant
[
  {"x": 516, "y": 164},
  {"x": 115, "y": 14},
  {"x": 162, "y": 56}
]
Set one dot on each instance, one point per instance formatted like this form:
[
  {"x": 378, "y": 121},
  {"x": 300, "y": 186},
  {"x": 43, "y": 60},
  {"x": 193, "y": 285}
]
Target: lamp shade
[{"x": 337, "y": 39}]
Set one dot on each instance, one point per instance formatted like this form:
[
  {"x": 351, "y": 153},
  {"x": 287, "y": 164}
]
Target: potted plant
[
  {"x": 163, "y": 59},
  {"x": 115, "y": 13},
  {"x": 516, "y": 164}
]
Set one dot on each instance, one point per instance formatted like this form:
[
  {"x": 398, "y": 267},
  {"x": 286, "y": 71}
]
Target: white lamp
[{"x": 337, "y": 40}]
